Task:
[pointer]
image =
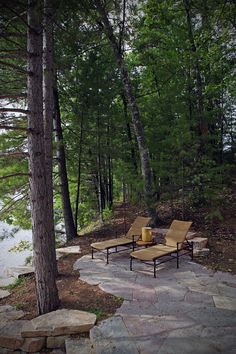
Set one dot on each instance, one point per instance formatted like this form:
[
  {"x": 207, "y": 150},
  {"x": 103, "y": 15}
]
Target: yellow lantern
[{"x": 146, "y": 234}]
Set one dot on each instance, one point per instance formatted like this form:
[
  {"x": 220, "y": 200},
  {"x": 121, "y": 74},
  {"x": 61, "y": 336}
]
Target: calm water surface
[{"x": 9, "y": 259}]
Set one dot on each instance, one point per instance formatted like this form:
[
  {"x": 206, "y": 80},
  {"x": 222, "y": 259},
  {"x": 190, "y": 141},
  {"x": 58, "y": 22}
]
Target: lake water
[{"x": 9, "y": 259}]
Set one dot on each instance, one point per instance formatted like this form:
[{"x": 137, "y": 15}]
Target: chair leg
[
  {"x": 92, "y": 253},
  {"x": 130, "y": 263},
  {"x": 107, "y": 255},
  {"x": 154, "y": 268},
  {"x": 192, "y": 250},
  {"x": 177, "y": 259}
]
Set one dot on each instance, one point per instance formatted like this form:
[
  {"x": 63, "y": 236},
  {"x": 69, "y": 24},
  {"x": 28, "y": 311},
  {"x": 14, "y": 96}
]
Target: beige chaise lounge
[
  {"x": 125, "y": 242},
  {"x": 175, "y": 246}
]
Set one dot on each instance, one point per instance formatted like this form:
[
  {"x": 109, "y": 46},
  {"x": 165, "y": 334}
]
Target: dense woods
[{"x": 136, "y": 102}]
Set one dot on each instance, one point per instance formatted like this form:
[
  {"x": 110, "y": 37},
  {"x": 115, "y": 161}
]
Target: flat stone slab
[
  {"x": 58, "y": 323},
  {"x": 69, "y": 250},
  {"x": 185, "y": 310},
  {"x": 81, "y": 346},
  {"x": 223, "y": 302},
  {"x": 17, "y": 272},
  {"x": 4, "y": 293},
  {"x": 112, "y": 336}
]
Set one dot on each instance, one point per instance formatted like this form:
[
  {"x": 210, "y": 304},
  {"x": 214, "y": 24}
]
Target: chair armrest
[{"x": 135, "y": 236}]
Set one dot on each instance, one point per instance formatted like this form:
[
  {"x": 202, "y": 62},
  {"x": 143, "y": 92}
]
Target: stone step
[
  {"x": 60, "y": 322},
  {"x": 68, "y": 250},
  {"x": 199, "y": 243},
  {"x": 81, "y": 346},
  {"x": 17, "y": 272}
]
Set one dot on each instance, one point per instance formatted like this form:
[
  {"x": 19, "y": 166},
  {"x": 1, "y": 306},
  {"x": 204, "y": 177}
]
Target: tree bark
[
  {"x": 46, "y": 289},
  {"x": 61, "y": 156},
  {"x": 79, "y": 173},
  {"x": 138, "y": 128},
  {"x": 48, "y": 109},
  {"x": 203, "y": 126}
]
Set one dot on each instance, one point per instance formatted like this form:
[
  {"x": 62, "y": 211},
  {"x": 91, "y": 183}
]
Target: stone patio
[{"x": 185, "y": 310}]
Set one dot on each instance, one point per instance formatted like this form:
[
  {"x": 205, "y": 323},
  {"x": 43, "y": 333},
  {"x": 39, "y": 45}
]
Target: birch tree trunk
[
  {"x": 138, "y": 128},
  {"x": 48, "y": 110},
  {"x": 44, "y": 262}
]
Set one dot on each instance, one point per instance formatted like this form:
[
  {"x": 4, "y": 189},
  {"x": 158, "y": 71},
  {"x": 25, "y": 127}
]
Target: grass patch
[
  {"x": 17, "y": 282},
  {"x": 98, "y": 312}
]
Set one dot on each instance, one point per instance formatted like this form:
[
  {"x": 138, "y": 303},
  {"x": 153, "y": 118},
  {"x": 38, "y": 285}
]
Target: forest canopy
[{"x": 180, "y": 60}]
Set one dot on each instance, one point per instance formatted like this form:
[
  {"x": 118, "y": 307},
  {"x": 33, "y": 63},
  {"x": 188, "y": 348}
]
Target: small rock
[
  {"x": 199, "y": 243},
  {"x": 4, "y": 293},
  {"x": 32, "y": 345},
  {"x": 201, "y": 253}
]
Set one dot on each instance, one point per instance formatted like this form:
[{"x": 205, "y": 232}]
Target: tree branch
[
  {"x": 18, "y": 110},
  {"x": 14, "y": 175},
  {"x": 14, "y": 154},
  {"x": 13, "y": 66},
  {"x": 20, "y": 95}
]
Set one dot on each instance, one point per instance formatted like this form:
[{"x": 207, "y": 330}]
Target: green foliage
[
  {"x": 97, "y": 127},
  {"x": 98, "y": 312},
  {"x": 21, "y": 246},
  {"x": 107, "y": 214}
]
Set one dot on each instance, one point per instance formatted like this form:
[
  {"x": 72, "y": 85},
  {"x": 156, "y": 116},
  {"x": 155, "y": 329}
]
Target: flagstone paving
[{"x": 185, "y": 310}]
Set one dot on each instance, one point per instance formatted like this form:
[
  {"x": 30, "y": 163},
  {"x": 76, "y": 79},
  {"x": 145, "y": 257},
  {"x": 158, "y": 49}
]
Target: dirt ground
[{"x": 76, "y": 294}]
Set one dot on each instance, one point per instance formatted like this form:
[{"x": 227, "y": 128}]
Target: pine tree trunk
[
  {"x": 44, "y": 262},
  {"x": 65, "y": 194},
  {"x": 138, "y": 128},
  {"x": 129, "y": 135},
  {"x": 48, "y": 109},
  {"x": 79, "y": 173},
  {"x": 203, "y": 126}
]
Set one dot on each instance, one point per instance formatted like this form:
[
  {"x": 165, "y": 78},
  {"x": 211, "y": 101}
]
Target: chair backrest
[
  {"x": 177, "y": 232},
  {"x": 136, "y": 228}
]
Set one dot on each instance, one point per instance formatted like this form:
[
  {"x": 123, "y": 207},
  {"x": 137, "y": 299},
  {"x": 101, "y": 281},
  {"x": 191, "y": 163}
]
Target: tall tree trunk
[
  {"x": 129, "y": 135},
  {"x": 138, "y": 128},
  {"x": 79, "y": 173},
  {"x": 99, "y": 171},
  {"x": 203, "y": 126},
  {"x": 61, "y": 156},
  {"x": 44, "y": 262},
  {"x": 109, "y": 169},
  {"x": 48, "y": 109}
]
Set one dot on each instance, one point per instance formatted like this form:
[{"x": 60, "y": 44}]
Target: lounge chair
[
  {"x": 175, "y": 246},
  {"x": 125, "y": 242}
]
